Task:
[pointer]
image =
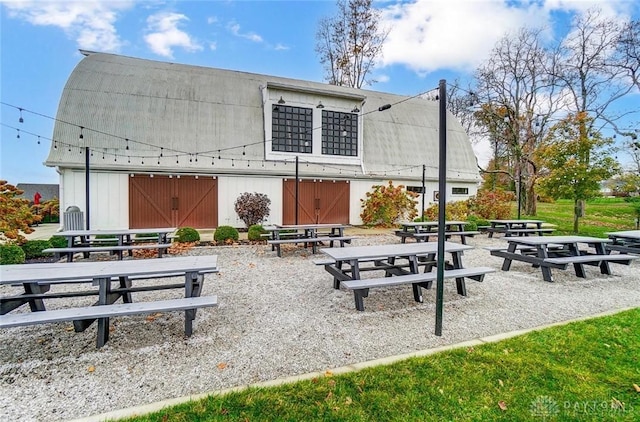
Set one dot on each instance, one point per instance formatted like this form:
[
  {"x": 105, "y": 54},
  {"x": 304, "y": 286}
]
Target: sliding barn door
[
  {"x": 319, "y": 202},
  {"x": 163, "y": 201}
]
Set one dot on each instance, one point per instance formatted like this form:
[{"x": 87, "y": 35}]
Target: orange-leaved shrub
[
  {"x": 386, "y": 205},
  {"x": 457, "y": 210},
  {"x": 491, "y": 204}
]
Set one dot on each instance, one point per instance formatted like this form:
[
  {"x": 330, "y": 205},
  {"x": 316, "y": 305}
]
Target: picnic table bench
[
  {"x": 37, "y": 278},
  {"x": 625, "y": 242},
  {"x": 517, "y": 228},
  {"x": 307, "y": 234},
  {"x": 420, "y": 280},
  {"x": 422, "y": 231},
  {"x": 117, "y": 250},
  {"x": 313, "y": 241},
  {"x": 547, "y": 252}
]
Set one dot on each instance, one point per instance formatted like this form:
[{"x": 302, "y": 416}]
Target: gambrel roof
[{"x": 147, "y": 116}]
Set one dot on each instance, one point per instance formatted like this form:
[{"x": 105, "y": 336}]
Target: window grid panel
[
  {"x": 291, "y": 129},
  {"x": 339, "y": 133}
]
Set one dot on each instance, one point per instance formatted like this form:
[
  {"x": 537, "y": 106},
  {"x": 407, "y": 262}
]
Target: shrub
[
  {"x": 457, "y": 210},
  {"x": 58, "y": 242},
  {"x": 475, "y": 222},
  {"x": 11, "y": 254},
  {"x": 224, "y": 233},
  {"x": 33, "y": 248},
  {"x": 187, "y": 234},
  {"x": 252, "y": 208},
  {"x": 386, "y": 205},
  {"x": 145, "y": 235},
  {"x": 255, "y": 232},
  {"x": 492, "y": 205}
]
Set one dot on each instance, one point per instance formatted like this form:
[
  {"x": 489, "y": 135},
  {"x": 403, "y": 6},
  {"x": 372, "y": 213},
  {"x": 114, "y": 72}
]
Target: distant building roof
[{"x": 46, "y": 191}]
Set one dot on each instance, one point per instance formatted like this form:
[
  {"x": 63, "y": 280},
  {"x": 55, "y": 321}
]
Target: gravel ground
[{"x": 278, "y": 317}]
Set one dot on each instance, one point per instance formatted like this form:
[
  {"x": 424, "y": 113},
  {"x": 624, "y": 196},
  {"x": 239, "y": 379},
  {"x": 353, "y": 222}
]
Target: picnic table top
[
  {"x": 429, "y": 223},
  {"x": 629, "y": 234},
  {"x": 93, "y": 232},
  {"x": 394, "y": 249},
  {"x": 22, "y": 273},
  {"x": 309, "y": 226},
  {"x": 545, "y": 240},
  {"x": 516, "y": 221}
]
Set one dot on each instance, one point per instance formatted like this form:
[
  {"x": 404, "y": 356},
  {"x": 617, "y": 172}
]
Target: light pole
[{"x": 442, "y": 201}]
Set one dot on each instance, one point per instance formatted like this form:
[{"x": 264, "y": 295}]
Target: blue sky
[{"x": 429, "y": 40}]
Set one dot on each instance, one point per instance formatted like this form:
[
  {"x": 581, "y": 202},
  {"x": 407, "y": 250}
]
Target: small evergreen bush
[
  {"x": 252, "y": 208},
  {"x": 187, "y": 235},
  {"x": 11, "y": 254},
  {"x": 255, "y": 232},
  {"x": 33, "y": 248},
  {"x": 224, "y": 233},
  {"x": 58, "y": 242}
]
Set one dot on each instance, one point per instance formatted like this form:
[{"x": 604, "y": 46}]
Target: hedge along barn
[{"x": 175, "y": 145}]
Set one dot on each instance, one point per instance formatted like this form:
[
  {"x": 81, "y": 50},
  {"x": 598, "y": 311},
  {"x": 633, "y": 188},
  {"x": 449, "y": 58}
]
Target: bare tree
[
  {"x": 628, "y": 57},
  {"x": 350, "y": 42},
  {"x": 518, "y": 96}
]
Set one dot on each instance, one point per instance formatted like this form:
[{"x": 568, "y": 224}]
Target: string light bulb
[
  {"x": 81, "y": 135},
  {"x": 18, "y": 134},
  {"x": 20, "y": 120}
]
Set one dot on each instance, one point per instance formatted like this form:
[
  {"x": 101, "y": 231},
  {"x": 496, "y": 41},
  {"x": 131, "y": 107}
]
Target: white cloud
[
  {"x": 213, "y": 45},
  {"x": 163, "y": 34},
  {"x": 280, "y": 47},
  {"x": 458, "y": 34},
  {"x": 90, "y": 23},
  {"x": 427, "y": 35},
  {"x": 234, "y": 28},
  {"x": 212, "y": 20}
]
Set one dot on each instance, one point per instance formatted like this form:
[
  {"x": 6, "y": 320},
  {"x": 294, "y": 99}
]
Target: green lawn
[
  {"x": 601, "y": 215},
  {"x": 583, "y": 371}
]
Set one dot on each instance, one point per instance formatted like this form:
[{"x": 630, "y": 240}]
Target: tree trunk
[
  {"x": 576, "y": 215},
  {"x": 532, "y": 200}
]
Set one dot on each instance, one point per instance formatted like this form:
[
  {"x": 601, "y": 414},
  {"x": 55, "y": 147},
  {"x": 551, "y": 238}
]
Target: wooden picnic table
[
  {"x": 126, "y": 240},
  {"x": 625, "y": 241},
  {"x": 34, "y": 280},
  {"x": 402, "y": 260},
  {"x": 517, "y": 227},
  {"x": 549, "y": 252},
  {"x": 422, "y": 231}
]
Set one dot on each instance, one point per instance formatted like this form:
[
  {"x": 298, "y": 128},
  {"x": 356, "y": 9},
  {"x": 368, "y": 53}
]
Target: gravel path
[{"x": 278, "y": 317}]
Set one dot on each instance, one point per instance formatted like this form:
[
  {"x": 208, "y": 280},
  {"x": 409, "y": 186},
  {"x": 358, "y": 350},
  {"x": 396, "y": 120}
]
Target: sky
[{"x": 428, "y": 40}]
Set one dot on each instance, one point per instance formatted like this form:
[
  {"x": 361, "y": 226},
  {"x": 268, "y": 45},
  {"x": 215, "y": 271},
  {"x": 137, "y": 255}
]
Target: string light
[
  {"x": 18, "y": 135},
  {"x": 81, "y": 135},
  {"x": 20, "y": 120}
]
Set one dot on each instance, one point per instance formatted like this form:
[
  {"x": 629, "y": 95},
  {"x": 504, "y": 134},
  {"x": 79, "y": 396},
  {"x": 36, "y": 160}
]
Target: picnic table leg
[
  {"x": 604, "y": 265},
  {"x": 506, "y": 265},
  {"x": 103, "y": 323},
  {"x": 359, "y": 296},
  {"x": 125, "y": 283},
  {"x": 417, "y": 290},
  {"x": 82, "y": 324},
  {"x": 457, "y": 264},
  {"x": 192, "y": 287}
]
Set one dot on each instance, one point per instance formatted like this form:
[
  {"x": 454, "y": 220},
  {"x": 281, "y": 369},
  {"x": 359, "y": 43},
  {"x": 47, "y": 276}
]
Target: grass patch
[
  {"x": 602, "y": 215},
  {"x": 582, "y": 371}
]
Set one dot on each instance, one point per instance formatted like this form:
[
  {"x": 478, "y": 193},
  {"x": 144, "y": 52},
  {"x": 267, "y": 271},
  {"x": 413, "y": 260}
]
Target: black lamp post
[{"x": 442, "y": 201}]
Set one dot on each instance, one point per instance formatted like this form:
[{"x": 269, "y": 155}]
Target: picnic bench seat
[
  {"x": 310, "y": 240},
  {"x": 189, "y": 305},
  {"x": 623, "y": 248},
  {"x": 118, "y": 250},
  {"x": 426, "y": 235},
  {"x": 591, "y": 259},
  {"x": 519, "y": 232},
  {"x": 361, "y": 287}
]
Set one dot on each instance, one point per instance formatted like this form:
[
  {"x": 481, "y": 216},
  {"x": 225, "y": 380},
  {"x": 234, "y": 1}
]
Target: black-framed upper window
[
  {"x": 460, "y": 191},
  {"x": 339, "y": 133},
  {"x": 291, "y": 129}
]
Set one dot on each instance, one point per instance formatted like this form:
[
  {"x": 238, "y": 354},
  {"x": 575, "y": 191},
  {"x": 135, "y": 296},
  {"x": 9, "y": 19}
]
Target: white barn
[{"x": 168, "y": 144}]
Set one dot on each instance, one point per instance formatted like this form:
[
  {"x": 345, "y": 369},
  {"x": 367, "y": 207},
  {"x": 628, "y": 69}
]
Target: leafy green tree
[{"x": 575, "y": 162}]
